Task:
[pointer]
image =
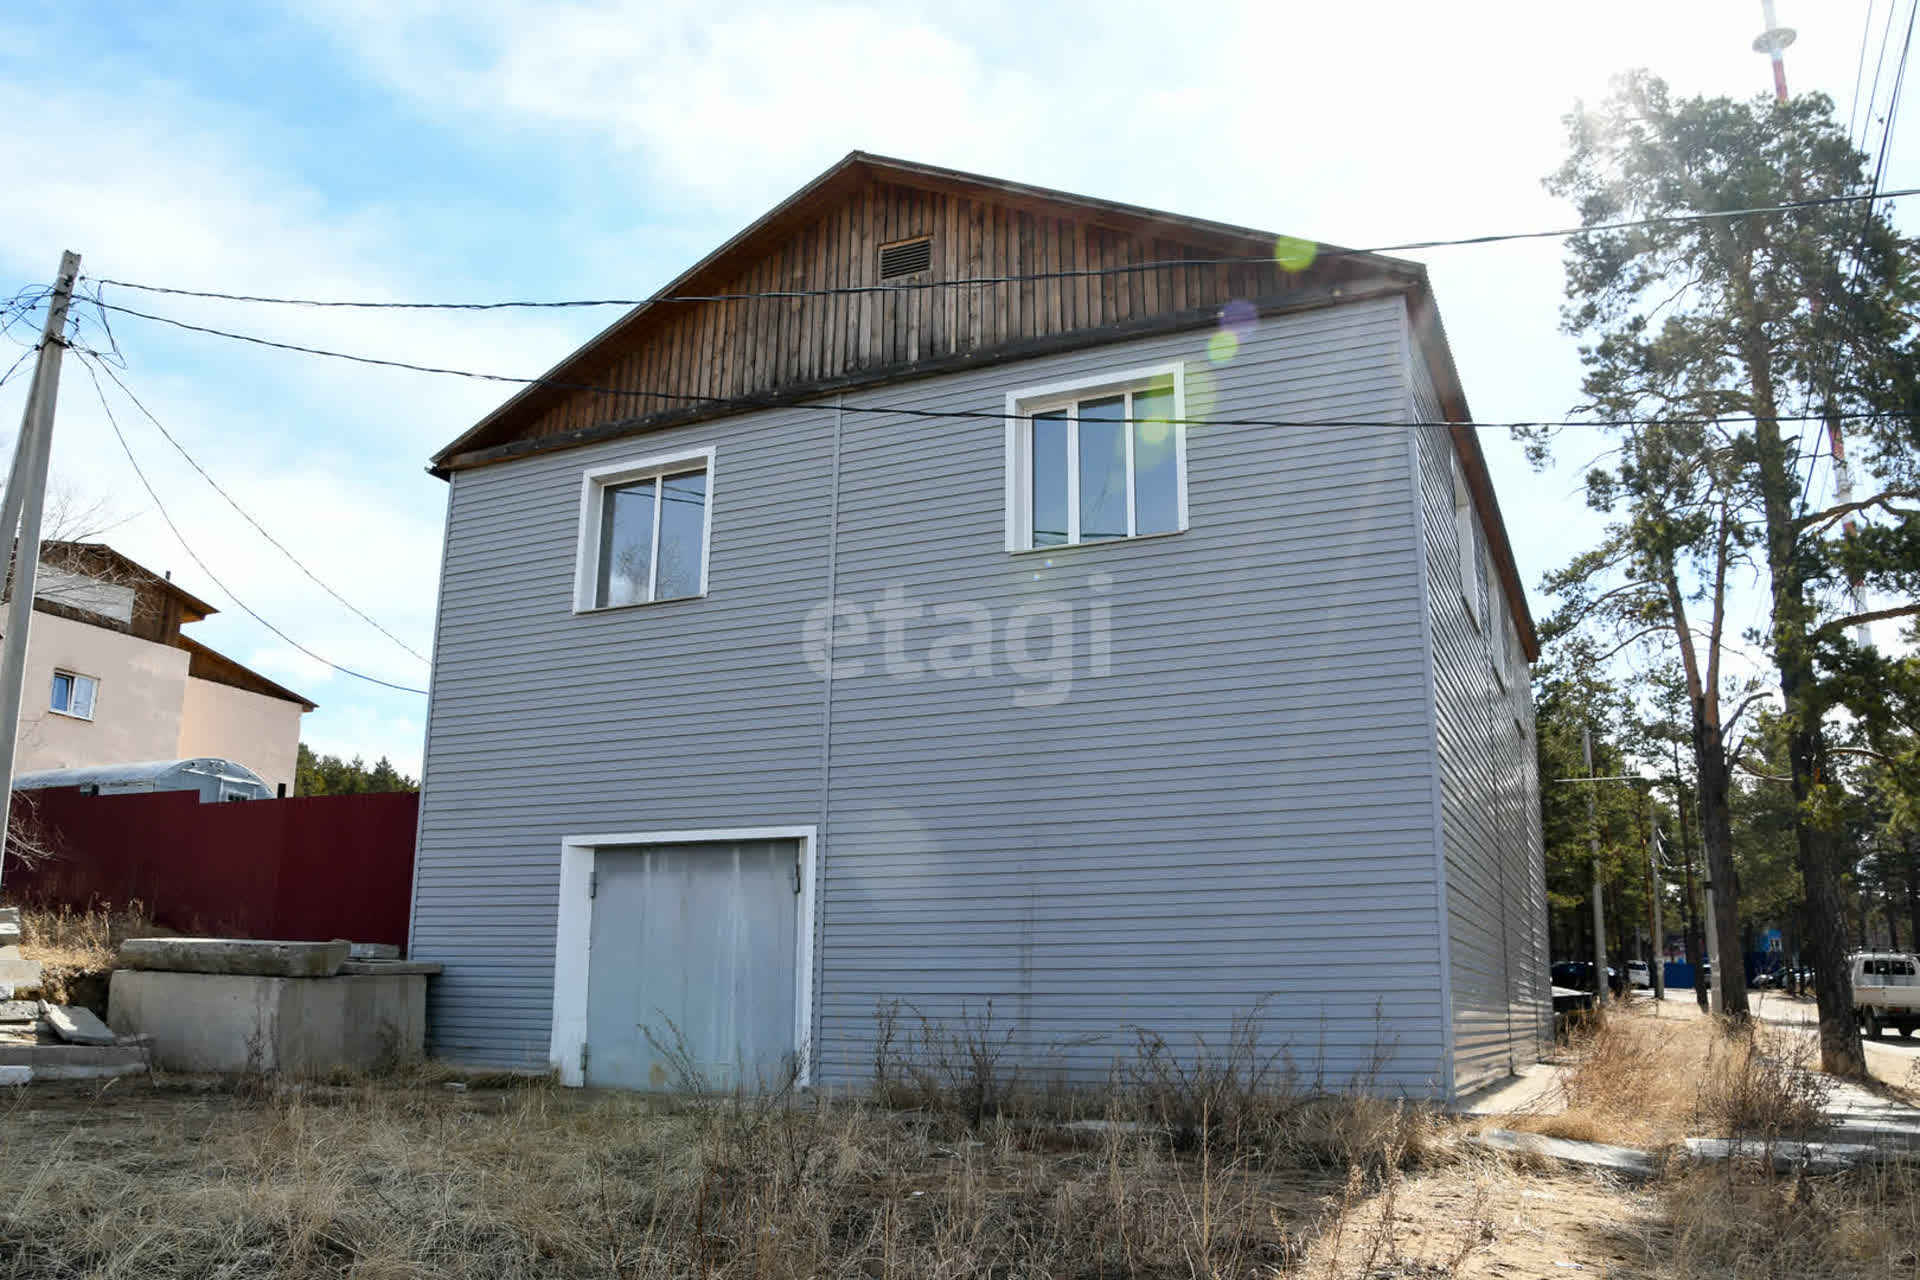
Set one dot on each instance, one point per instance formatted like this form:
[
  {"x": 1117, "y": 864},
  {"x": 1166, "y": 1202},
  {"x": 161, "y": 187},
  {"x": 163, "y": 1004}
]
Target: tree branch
[
  {"x": 1764, "y": 777},
  {"x": 1641, "y": 634},
  {"x": 1872, "y": 615},
  {"x": 1745, "y": 702},
  {"x": 1825, "y": 518}
]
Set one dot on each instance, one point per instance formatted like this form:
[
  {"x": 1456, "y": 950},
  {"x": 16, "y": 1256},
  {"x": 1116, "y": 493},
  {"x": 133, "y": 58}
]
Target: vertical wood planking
[{"x": 755, "y": 344}]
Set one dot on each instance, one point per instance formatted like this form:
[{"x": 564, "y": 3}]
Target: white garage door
[{"x": 692, "y": 964}]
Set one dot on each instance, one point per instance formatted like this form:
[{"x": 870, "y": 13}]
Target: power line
[
  {"x": 187, "y": 547},
  {"x": 768, "y": 402},
  {"x": 1024, "y": 278},
  {"x": 277, "y": 545},
  {"x": 14, "y": 368}
]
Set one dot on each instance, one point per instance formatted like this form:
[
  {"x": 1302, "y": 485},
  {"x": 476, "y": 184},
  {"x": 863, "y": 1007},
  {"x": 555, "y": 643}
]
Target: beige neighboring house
[{"x": 111, "y": 680}]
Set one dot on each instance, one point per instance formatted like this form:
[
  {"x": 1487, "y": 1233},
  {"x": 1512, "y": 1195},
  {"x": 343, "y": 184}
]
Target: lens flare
[
  {"x": 1239, "y": 317},
  {"x": 1293, "y": 253},
  {"x": 1223, "y": 346}
]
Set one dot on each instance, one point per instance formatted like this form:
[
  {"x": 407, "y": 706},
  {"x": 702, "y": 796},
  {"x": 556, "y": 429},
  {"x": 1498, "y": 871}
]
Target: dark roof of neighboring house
[
  {"x": 81, "y": 556},
  {"x": 210, "y": 664},
  {"x": 161, "y": 625}
]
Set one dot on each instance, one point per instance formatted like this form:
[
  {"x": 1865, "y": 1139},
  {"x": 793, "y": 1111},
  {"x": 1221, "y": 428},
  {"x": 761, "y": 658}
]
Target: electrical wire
[
  {"x": 14, "y": 368},
  {"x": 187, "y": 547},
  {"x": 981, "y": 281},
  {"x": 769, "y": 402},
  {"x": 258, "y": 528}
]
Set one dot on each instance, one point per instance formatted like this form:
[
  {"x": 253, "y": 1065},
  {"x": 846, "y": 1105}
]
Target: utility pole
[
  {"x": 1656, "y": 890},
  {"x": 1600, "y": 991},
  {"x": 25, "y": 502}
]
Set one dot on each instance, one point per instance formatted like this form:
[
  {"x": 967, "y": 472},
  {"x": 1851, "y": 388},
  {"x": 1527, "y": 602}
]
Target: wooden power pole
[{"x": 20, "y": 514}]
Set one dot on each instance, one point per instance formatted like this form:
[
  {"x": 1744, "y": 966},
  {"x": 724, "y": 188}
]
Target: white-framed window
[
  {"x": 645, "y": 528},
  {"x": 1472, "y": 579},
  {"x": 1099, "y": 459},
  {"x": 73, "y": 694}
]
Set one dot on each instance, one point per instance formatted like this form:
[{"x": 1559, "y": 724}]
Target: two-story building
[
  {"x": 111, "y": 678},
  {"x": 985, "y": 598}
]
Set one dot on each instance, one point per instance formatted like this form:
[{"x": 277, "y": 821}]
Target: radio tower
[{"x": 1773, "y": 42}]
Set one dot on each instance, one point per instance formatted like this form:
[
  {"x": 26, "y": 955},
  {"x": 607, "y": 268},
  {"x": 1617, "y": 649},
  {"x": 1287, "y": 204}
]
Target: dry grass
[
  {"x": 1634, "y": 1079},
  {"x": 406, "y": 1178},
  {"x": 1763, "y": 1083},
  {"x": 76, "y": 948},
  {"x": 1737, "y": 1220}
]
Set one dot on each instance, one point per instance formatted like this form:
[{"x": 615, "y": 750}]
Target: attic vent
[{"x": 905, "y": 258}]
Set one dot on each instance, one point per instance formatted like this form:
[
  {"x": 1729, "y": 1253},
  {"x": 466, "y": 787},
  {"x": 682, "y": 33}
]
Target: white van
[{"x": 1638, "y": 974}]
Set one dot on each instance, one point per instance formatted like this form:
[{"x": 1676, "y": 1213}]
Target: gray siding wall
[
  {"x": 1490, "y": 810},
  {"x": 1239, "y": 810}
]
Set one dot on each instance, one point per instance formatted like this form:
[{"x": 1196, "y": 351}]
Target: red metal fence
[{"x": 311, "y": 868}]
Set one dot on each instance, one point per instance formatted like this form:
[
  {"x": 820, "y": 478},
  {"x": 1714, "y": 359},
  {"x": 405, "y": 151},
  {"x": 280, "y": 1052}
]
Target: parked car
[
  {"x": 1639, "y": 974},
  {"x": 1886, "y": 991},
  {"x": 1578, "y": 976}
]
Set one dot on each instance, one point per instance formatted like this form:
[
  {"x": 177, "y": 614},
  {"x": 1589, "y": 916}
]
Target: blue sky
[{"x": 425, "y": 149}]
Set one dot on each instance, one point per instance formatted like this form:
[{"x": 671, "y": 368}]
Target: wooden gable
[{"x": 843, "y": 324}]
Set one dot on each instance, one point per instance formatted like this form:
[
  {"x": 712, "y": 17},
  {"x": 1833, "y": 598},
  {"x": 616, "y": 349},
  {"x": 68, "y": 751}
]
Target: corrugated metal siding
[
  {"x": 1502, "y": 1015},
  {"x": 1240, "y": 810}
]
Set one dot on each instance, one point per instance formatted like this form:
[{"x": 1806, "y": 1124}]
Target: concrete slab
[
  {"x": 1537, "y": 1089},
  {"x": 425, "y": 968},
  {"x": 1628, "y": 1161},
  {"x": 19, "y": 1010},
  {"x": 245, "y": 957},
  {"x": 1814, "y": 1157},
  {"x": 9, "y": 934},
  {"x": 21, "y": 975},
  {"x": 76, "y": 1025},
  {"x": 75, "y": 1061},
  {"x": 234, "y": 1022},
  {"x": 16, "y": 1075},
  {"x": 372, "y": 951}
]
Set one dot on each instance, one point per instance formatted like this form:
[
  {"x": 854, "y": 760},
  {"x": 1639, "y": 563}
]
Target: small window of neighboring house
[
  {"x": 644, "y": 531},
  {"x": 73, "y": 694},
  {"x": 1472, "y": 590},
  {"x": 1100, "y": 460}
]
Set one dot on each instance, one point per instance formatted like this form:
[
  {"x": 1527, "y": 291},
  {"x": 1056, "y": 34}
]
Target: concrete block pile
[{"x": 19, "y": 976}]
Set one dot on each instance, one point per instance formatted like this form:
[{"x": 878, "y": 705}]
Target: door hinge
[
  {"x": 593, "y": 885},
  {"x": 796, "y": 879},
  {"x": 583, "y": 1061}
]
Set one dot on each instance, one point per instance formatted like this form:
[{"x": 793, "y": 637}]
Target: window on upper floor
[
  {"x": 644, "y": 531},
  {"x": 73, "y": 694},
  {"x": 1099, "y": 460}
]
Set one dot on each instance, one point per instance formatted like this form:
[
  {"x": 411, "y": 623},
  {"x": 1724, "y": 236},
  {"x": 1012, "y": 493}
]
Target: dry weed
[
  {"x": 1762, "y": 1083},
  {"x": 1736, "y": 1220},
  {"x": 1633, "y": 1081},
  {"x": 76, "y": 948}
]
